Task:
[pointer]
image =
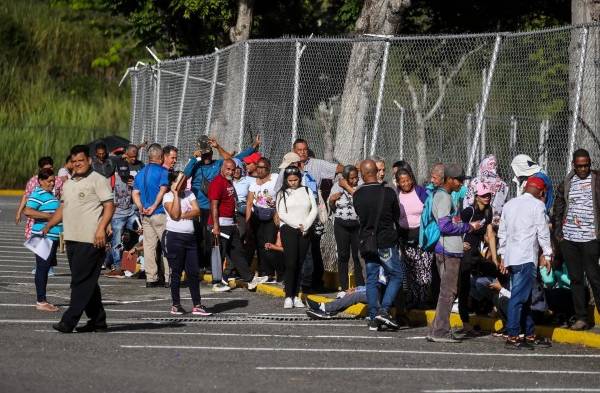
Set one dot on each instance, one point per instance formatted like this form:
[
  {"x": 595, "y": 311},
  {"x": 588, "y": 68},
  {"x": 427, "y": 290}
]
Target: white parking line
[
  {"x": 174, "y": 320},
  {"x": 220, "y": 334},
  {"x": 353, "y": 350},
  {"x": 431, "y": 369},
  {"x": 513, "y": 390}
]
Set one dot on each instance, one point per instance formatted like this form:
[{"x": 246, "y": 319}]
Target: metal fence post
[
  {"x": 134, "y": 82},
  {"x": 157, "y": 106},
  {"x": 542, "y": 148},
  {"x": 243, "y": 101},
  {"x": 380, "y": 96},
  {"x": 484, "y": 99},
  {"x": 483, "y": 141},
  {"x": 213, "y": 87},
  {"x": 512, "y": 143},
  {"x": 182, "y": 102},
  {"x": 584, "y": 38}
]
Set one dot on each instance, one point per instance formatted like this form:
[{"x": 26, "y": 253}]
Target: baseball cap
[
  {"x": 455, "y": 171},
  {"x": 536, "y": 182},
  {"x": 289, "y": 159},
  {"x": 252, "y": 158},
  {"x": 483, "y": 189}
]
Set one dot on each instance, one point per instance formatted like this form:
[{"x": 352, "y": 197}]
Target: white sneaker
[
  {"x": 288, "y": 303},
  {"x": 261, "y": 279},
  {"x": 340, "y": 294},
  {"x": 298, "y": 302},
  {"x": 257, "y": 280},
  {"x": 220, "y": 288}
]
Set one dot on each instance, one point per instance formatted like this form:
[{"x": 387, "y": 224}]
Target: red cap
[
  {"x": 536, "y": 182},
  {"x": 252, "y": 158}
]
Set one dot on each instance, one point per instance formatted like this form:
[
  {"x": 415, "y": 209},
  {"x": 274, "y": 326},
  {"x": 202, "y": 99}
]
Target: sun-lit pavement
[{"x": 250, "y": 345}]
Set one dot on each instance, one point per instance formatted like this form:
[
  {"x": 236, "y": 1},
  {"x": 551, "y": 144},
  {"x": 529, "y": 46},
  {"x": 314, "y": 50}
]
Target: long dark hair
[{"x": 287, "y": 172}]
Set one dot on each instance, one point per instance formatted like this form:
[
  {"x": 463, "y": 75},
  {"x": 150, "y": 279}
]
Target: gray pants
[
  {"x": 449, "y": 268},
  {"x": 349, "y": 300}
]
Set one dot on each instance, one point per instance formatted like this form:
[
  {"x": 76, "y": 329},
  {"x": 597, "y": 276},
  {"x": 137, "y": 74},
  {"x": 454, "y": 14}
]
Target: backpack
[{"x": 430, "y": 232}]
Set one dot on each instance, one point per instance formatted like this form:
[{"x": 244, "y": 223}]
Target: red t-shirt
[{"x": 222, "y": 190}]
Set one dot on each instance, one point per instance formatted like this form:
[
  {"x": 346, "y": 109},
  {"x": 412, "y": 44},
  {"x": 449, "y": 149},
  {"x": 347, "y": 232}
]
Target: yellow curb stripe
[{"x": 11, "y": 192}]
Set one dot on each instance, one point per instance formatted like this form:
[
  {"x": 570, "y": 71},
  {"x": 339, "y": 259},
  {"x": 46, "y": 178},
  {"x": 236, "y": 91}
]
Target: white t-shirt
[
  {"x": 183, "y": 225},
  {"x": 264, "y": 194}
]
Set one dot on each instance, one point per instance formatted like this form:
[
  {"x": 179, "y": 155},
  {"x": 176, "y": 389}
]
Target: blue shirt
[
  {"x": 148, "y": 182},
  {"x": 199, "y": 171},
  {"x": 44, "y": 202}
]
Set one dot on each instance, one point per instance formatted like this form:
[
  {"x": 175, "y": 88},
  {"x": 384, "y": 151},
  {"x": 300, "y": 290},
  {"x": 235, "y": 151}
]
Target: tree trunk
[
  {"x": 226, "y": 120},
  {"x": 585, "y": 11},
  {"x": 377, "y": 17},
  {"x": 243, "y": 25}
]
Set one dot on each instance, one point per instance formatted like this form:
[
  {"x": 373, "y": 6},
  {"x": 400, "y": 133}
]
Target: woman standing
[
  {"x": 488, "y": 175},
  {"x": 297, "y": 210},
  {"x": 411, "y": 198},
  {"x": 346, "y": 228},
  {"x": 40, "y": 206},
  {"x": 481, "y": 211},
  {"x": 179, "y": 243},
  {"x": 260, "y": 213}
]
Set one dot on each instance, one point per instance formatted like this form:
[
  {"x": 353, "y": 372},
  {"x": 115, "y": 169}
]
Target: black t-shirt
[
  {"x": 473, "y": 214},
  {"x": 366, "y": 200}
]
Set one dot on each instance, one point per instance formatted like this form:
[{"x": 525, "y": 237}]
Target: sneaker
[
  {"x": 374, "y": 325},
  {"x": 33, "y": 271},
  {"x": 384, "y": 318},
  {"x": 45, "y": 306},
  {"x": 318, "y": 314},
  {"x": 537, "y": 341},
  {"x": 115, "y": 274},
  {"x": 200, "y": 310},
  {"x": 255, "y": 281},
  {"x": 449, "y": 338},
  {"x": 51, "y": 272},
  {"x": 288, "y": 302},
  {"x": 313, "y": 305},
  {"x": 220, "y": 288},
  {"x": 340, "y": 294},
  {"x": 298, "y": 303},
  {"x": 271, "y": 280},
  {"x": 128, "y": 274},
  {"x": 177, "y": 310},
  {"x": 580, "y": 325},
  {"x": 516, "y": 343}
]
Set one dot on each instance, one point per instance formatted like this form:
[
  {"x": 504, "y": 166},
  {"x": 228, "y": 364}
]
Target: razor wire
[{"x": 423, "y": 99}]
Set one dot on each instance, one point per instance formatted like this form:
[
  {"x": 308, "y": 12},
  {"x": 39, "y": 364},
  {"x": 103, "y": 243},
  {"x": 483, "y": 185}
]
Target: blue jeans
[
  {"x": 118, "y": 224},
  {"x": 393, "y": 266},
  {"x": 522, "y": 279}
]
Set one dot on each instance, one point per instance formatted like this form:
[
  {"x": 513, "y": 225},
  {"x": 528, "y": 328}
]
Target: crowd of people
[{"x": 454, "y": 243}]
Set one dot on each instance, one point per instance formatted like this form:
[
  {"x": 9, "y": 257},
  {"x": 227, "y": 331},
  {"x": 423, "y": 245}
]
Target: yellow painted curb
[{"x": 11, "y": 192}]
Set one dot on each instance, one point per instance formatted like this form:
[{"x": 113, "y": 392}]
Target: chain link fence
[{"x": 424, "y": 99}]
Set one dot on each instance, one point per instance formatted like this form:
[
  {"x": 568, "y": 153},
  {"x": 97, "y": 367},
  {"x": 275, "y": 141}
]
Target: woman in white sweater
[{"x": 297, "y": 210}]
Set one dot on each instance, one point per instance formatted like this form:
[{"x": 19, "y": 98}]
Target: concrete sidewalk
[{"x": 589, "y": 338}]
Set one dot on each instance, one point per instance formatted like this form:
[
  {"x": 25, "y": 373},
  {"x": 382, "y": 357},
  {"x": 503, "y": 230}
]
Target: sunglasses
[{"x": 292, "y": 171}]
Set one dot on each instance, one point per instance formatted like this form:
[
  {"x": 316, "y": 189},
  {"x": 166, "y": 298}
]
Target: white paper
[
  {"x": 224, "y": 235},
  {"x": 40, "y": 246}
]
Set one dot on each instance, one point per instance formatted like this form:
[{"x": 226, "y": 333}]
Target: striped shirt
[
  {"x": 44, "y": 202},
  {"x": 579, "y": 222}
]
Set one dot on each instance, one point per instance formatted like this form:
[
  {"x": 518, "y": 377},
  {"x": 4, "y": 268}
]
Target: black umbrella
[{"x": 112, "y": 142}]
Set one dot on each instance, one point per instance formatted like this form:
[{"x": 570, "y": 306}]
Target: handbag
[
  {"x": 368, "y": 240},
  {"x": 215, "y": 262},
  {"x": 323, "y": 209},
  {"x": 129, "y": 262},
  {"x": 264, "y": 213}
]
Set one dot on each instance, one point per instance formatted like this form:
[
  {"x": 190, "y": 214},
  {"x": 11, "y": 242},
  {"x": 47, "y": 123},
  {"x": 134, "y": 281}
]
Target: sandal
[{"x": 45, "y": 306}]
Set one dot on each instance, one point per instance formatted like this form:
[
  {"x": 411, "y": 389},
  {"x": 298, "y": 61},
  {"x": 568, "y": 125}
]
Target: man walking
[
  {"x": 149, "y": 187},
  {"x": 378, "y": 211},
  {"x": 448, "y": 250},
  {"x": 523, "y": 230},
  {"x": 86, "y": 212},
  {"x": 576, "y": 228}
]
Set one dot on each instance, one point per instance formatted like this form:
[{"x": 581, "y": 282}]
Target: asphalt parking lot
[{"x": 251, "y": 344}]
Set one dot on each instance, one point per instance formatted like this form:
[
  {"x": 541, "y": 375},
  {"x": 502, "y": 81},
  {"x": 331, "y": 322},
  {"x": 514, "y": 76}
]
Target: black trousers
[
  {"x": 269, "y": 260},
  {"x": 85, "y": 262},
  {"x": 468, "y": 262},
  {"x": 347, "y": 241},
  {"x": 182, "y": 254},
  {"x": 234, "y": 251},
  {"x": 313, "y": 269},
  {"x": 203, "y": 239},
  {"x": 295, "y": 247},
  {"x": 582, "y": 261}
]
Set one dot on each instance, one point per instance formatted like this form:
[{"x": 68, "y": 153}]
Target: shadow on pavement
[{"x": 229, "y": 305}]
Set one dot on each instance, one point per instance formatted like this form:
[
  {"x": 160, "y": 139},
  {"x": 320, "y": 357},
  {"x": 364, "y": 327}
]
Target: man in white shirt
[{"x": 523, "y": 230}]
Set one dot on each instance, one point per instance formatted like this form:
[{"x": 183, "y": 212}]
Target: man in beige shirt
[{"x": 86, "y": 210}]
